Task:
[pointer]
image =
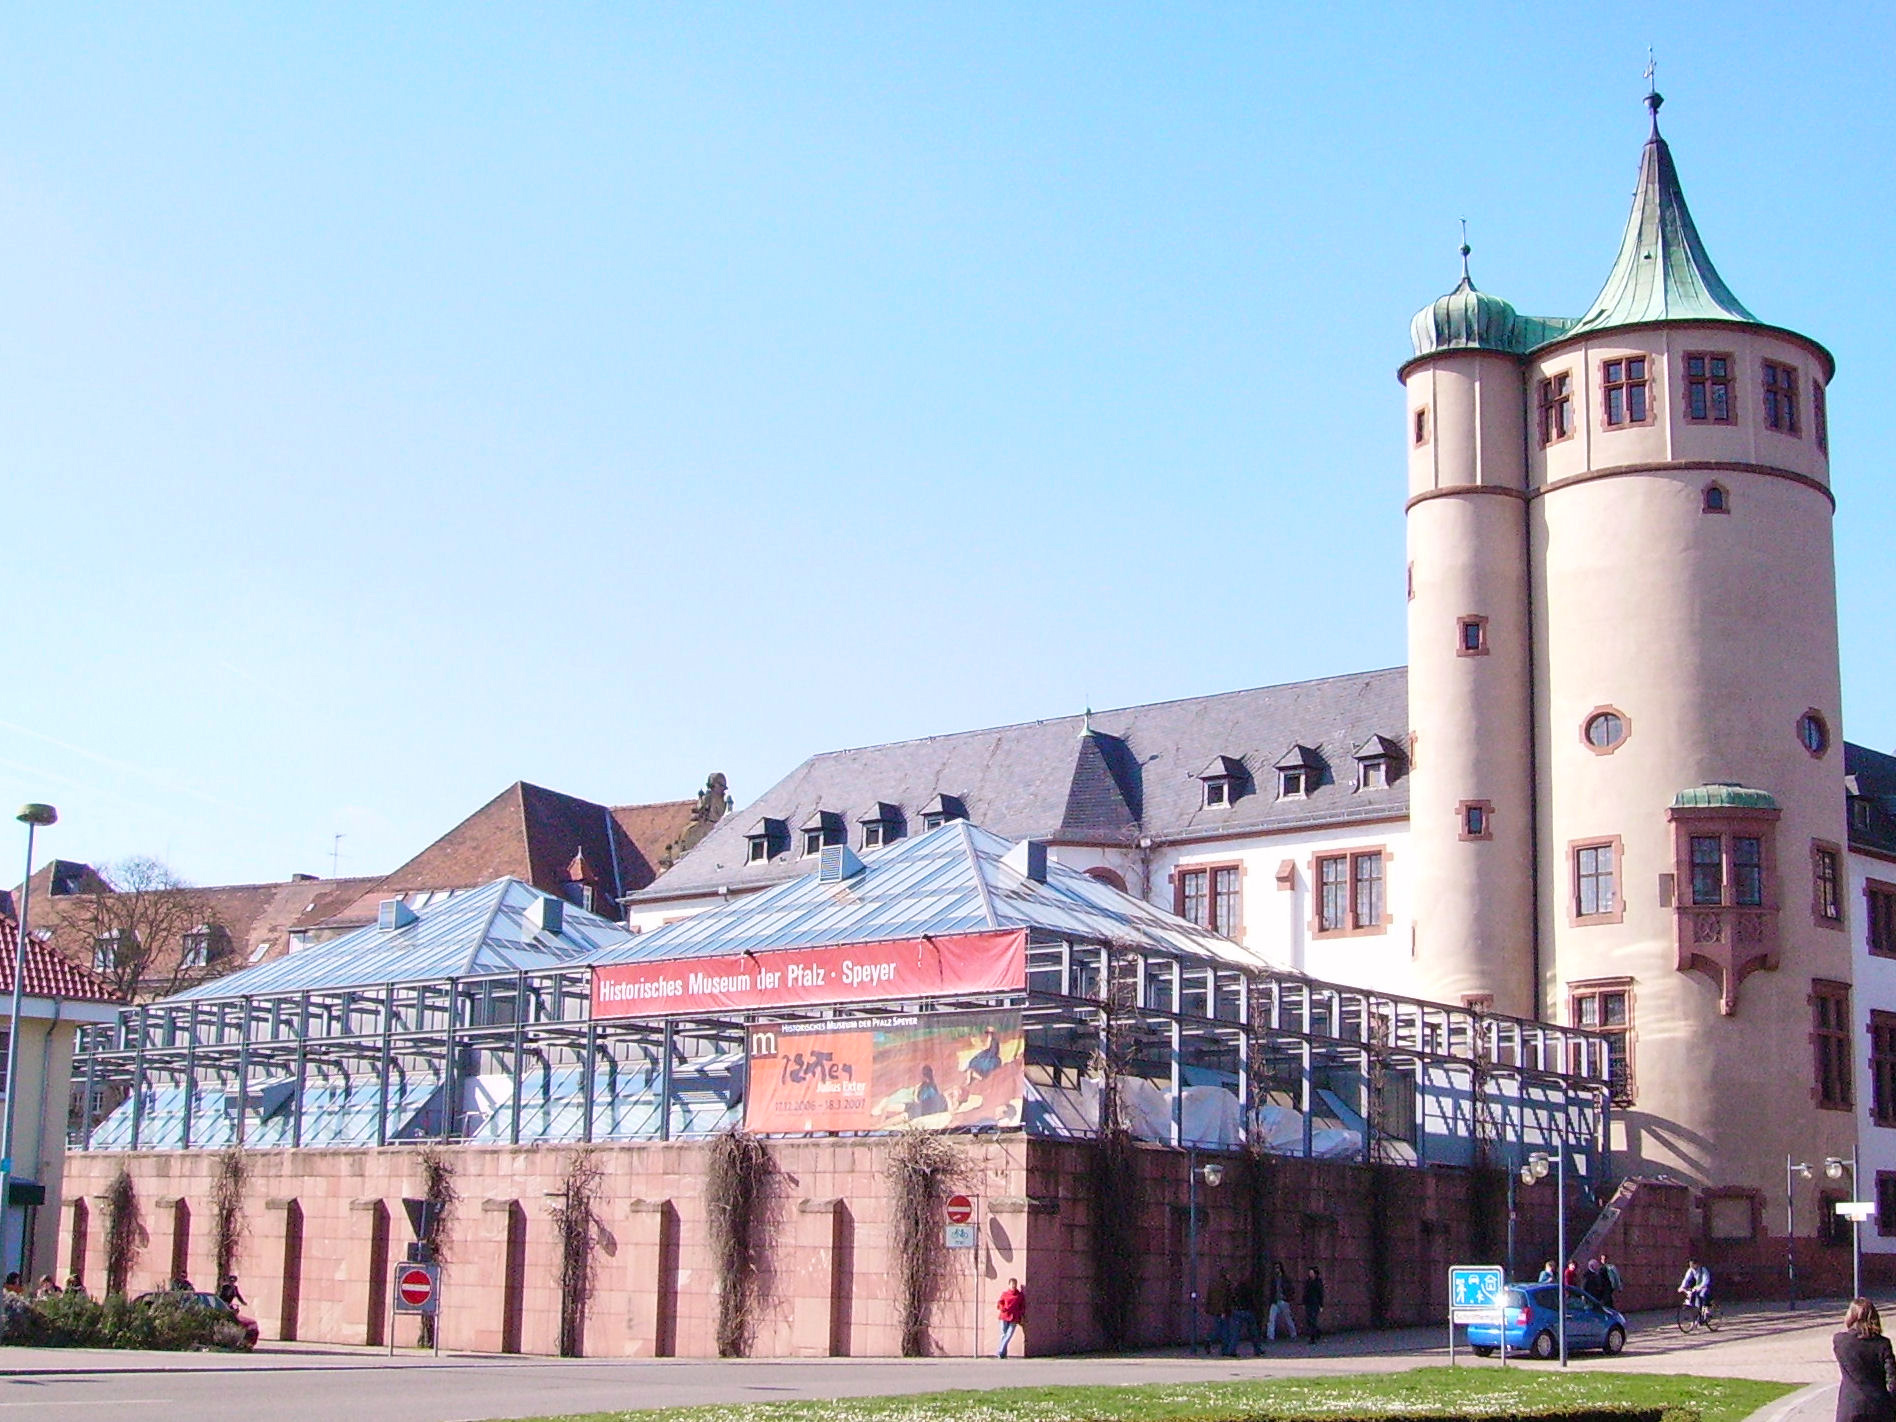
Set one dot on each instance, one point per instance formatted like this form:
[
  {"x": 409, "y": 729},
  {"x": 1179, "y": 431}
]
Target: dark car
[
  {"x": 1531, "y": 1314},
  {"x": 185, "y": 1298}
]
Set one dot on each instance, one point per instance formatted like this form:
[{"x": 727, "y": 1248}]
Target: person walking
[
  {"x": 1313, "y": 1304},
  {"x": 1244, "y": 1320},
  {"x": 1012, "y": 1308},
  {"x": 1280, "y": 1304},
  {"x": 1218, "y": 1310},
  {"x": 1610, "y": 1283},
  {"x": 1867, "y": 1390},
  {"x": 1593, "y": 1282}
]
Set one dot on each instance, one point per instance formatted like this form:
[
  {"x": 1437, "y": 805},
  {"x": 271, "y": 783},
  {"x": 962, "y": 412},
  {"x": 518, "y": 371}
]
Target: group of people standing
[
  {"x": 1600, "y": 1281},
  {"x": 1233, "y": 1306}
]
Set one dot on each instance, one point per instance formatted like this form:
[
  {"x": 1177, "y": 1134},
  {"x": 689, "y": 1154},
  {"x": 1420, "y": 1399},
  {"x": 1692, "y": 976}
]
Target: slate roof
[
  {"x": 485, "y": 930},
  {"x": 1870, "y": 777},
  {"x": 951, "y": 880},
  {"x": 48, "y": 974},
  {"x": 1134, "y": 772}
]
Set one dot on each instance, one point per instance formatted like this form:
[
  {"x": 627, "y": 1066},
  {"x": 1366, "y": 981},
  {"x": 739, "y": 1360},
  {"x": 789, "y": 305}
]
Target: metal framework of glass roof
[{"x": 1207, "y": 1046}]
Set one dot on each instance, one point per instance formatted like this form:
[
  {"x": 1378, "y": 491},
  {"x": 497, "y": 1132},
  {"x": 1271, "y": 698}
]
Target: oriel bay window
[
  {"x": 1725, "y": 894},
  {"x": 1211, "y": 896},
  {"x": 1350, "y": 893}
]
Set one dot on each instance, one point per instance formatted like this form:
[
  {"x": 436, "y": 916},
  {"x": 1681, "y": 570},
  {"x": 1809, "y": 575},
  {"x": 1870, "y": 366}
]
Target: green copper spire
[{"x": 1663, "y": 272}]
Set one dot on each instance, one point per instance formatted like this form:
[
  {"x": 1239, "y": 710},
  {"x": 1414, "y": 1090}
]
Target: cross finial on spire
[
  {"x": 1653, "y": 97},
  {"x": 1465, "y": 249}
]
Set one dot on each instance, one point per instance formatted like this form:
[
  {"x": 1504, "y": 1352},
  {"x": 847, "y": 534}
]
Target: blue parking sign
[{"x": 1474, "y": 1293}]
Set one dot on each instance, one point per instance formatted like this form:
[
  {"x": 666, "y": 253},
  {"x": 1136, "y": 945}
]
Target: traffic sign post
[
  {"x": 1476, "y": 1295},
  {"x": 961, "y": 1233},
  {"x": 960, "y": 1210},
  {"x": 416, "y": 1289},
  {"x": 960, "y": 1236},
  {"x": 1856, "y": 1211}
]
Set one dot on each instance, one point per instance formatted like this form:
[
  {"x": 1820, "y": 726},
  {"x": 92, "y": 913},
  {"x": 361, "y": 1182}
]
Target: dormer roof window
[
  {"x": 1376, "y": 762},
  {"x": 881, "y": 824},
  {"x": 943, "y": 808},
  {"x": 1299, "y": 771},
  {"x": 1223, "y": 781},
  {"x": 822, "y": 828},
  {"x": 766, "y": 839}
]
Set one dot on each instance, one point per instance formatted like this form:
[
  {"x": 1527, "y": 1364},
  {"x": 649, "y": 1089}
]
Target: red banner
[
  {"x": 942, "y": 1071},
  {"x": 786, "y": 977}
]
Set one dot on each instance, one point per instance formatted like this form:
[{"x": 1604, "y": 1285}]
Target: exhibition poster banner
[
  {"x": 940, "y": 1070},
  {"x": 788, "y": 977}
]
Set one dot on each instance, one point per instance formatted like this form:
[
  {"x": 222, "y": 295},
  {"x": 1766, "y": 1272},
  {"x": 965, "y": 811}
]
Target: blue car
[{"x": 1532, "y": 1320}]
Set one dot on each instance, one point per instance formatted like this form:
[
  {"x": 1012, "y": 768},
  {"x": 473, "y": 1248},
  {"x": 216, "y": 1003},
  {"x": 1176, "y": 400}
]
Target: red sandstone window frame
[
  {"x": 1831, "y": 1087},
  {"x": 1826, "y": 884},
  {"x": 1212, "y": 874},
  {"x": 1813, "y": 726},
  {"x": 1710, "y": 387},
  {"x": 1820, "y": 414},
  {"x": 1556, "y": 408},
  {"x": 1420, "y": 429},
  {"x": 1778, "y": 384},
  {"x": 1886, "y": 1203},
  {"x": 1620, "y": 384},
  {"x": 1355, "y": 862},
  {"x": 1753, "y": 1198},
  {"x": 1715, "y": 498},
  {"x": 1475, "y": 819},
  {"x": 1575, "y": 850},
  {"x": 1882, "y": 1033},
  {"x": 1599, "y": 992},
  {"x": 1879, "y": 918},
  {"x": 1586, "y": 726},
  {"x": 1479, "y": 626}
]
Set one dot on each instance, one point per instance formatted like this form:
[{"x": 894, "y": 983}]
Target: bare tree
[{"x": 153, "y": 935}]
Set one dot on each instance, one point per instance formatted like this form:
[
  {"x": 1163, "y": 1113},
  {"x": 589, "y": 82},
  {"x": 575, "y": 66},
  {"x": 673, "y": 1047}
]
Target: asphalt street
[{"x": 292, "y": 1383}]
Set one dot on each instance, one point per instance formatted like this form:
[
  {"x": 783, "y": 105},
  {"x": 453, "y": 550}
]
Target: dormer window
[
  {"x": 110, "y": 947},
  {"x": 1299, "y": 772},
  {"x": 943, "y": 808},
  {"x": 881, "y": 825},
  {"x": 766, "y": 840},
  {"x": 1222, "y": 780},
  {"x": 204, "y": 945},
  {"x": 1375, "y": 763},
  {"x": 823, "y": 828}
]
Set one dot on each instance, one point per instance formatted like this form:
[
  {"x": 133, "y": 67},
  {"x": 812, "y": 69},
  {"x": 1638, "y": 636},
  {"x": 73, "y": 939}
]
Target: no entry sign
[
  {"x": 960, "y": 1209},
  {"x": 417, "y": 1289}
]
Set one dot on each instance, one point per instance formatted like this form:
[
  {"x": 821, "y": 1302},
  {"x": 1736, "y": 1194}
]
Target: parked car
[
  {"x": 1532, "y": 1319},
  {"x": 194, "y": 1300}
]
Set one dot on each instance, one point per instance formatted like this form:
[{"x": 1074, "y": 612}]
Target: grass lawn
[{"x": 1461, "y": 1392}]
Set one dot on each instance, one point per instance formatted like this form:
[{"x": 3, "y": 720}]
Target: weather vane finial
[
  {"x": 1465, "y": 249},
  {"x": 1653, "y": 97}
]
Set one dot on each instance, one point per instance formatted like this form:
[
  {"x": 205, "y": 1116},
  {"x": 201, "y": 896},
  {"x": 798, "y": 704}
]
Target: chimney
[{"x": 1028, "y": 859}]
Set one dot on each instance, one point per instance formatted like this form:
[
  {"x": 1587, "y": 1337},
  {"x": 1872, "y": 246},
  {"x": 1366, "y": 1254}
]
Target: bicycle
[{"x": 1698, "y": 1314}]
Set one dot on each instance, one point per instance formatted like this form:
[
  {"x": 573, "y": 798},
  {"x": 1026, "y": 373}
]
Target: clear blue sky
[{"x": 397, "y": 403}]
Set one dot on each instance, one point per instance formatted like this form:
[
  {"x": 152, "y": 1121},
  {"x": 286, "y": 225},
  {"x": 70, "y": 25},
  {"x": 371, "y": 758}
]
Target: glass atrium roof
[
  {"x": 485, "y": 930},
  {"x": 950, "y": 880}
]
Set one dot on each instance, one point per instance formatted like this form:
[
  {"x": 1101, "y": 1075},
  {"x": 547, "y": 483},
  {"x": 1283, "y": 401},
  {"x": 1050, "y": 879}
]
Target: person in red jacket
[{"x": 1012, "y": 1308}]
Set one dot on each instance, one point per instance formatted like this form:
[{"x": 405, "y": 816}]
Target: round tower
[
  {"x": 1687, "y": 694},
  {"x": 1470, "y": 708}
]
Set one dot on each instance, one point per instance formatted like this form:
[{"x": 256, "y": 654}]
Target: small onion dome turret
[{"x": 1467, "y": 319}]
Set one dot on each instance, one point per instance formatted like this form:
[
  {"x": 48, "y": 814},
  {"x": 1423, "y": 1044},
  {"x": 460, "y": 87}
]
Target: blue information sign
[{"x": 1474, "y": 1293}]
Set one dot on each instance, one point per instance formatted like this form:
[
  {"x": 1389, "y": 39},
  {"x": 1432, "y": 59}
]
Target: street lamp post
[
  {"x": 33, "y": 817},
  {"x": 1536, "y": 1169},
  {"x": 1834, "y": 1166},
  {"x": 1792, "y": 1169},
  {"x": 1213, "y": 1175}
]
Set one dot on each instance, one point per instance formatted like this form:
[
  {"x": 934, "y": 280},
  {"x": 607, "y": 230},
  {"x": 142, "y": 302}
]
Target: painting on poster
[{"x": 942, "y": 1071}]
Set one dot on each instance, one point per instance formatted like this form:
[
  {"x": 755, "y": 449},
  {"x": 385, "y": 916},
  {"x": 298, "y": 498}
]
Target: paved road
[{"x": 300, "y": 1383}]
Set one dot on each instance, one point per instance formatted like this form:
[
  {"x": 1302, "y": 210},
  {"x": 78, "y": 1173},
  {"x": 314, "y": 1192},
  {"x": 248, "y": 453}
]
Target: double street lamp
[
  {"x": 1834, "y": 1167},
  {"x": 33, "y": 817},
  {"x": 1213, "y": 1174},
  {"x": 1536, "y": 1167}
]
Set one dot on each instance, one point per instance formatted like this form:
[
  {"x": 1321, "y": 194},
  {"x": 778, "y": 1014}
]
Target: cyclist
[{"x": 1696, "y": 1286}]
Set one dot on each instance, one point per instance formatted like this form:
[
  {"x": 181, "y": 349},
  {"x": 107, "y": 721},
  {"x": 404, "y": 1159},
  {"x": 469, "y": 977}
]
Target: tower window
[
  {"x": 1826, "y": 887},
  {"x": 1471, "y": 637},
  {"x": 1727, "y": 862},
  {"x": 1556, "y": 407},
  {"x": 1623, "y": 392},
  {"x": 1477, "y": 819},
  {"x": 1830, "y": 1043},
  {"x": 1780, "y": 397},
  {"x": 1813, "y": 733},
  {"x": 1596, "y": 882},
  {"x": 1604, "y": 730},
  {"x": 1820, "y": 416},
  {"x": 1716, "y": 499},
  {"x": 1422, "y": 425},
  {"x": 1708, "y": 388},
  {"x": 1607, "y": 1008}
]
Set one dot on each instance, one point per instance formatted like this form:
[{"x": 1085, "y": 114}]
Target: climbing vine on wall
[
  {"x": 923, "y": 1168},
  {"x": 1112, "y": 1163},
  {"x": 438, "y": 1190},
  {"x": 124, "y": 1232},
  {"x": 740, "y": 1176},
  {"x": 575, "y": 1217},
  {"x": 228, "y": 1223},
  {"x": 1260, "y": 1205}
]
